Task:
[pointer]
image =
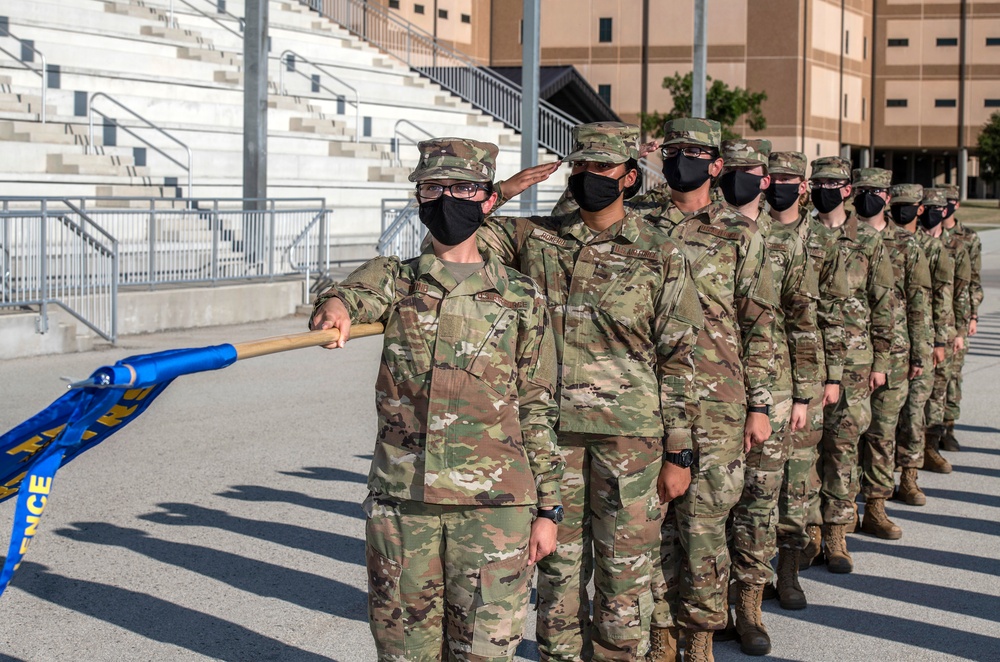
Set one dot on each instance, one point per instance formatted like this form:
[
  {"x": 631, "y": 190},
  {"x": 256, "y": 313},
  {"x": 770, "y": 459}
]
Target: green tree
[
  {"x": 723, "y": 104},
  {"x": 988, "y": 146}
]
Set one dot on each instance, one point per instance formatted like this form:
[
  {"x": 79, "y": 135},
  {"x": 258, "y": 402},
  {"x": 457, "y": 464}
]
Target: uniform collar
[
  {"x": 492, "y": 276},
  {"x": 627, "y": 229}
]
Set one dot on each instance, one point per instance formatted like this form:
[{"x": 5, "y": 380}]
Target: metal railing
[
  {"x": 451, "y": 70},
  {"x": 397, "y": 135},
  {"x": 651, "y": 176},
  {"x": 149, "y": 124},
  {"x": 54, "y": 254},
  {"x": 218, "y": 10},
  {"x": 44, "y": 71},
  {"x": 287, "y": 60}
]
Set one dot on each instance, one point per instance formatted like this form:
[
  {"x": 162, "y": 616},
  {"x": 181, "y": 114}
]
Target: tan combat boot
[
  {"x": 699, "y": 646},
  {"x": 663, "y": 645},
  {"x": 790, "y": 593},
  {"x": 948, "y": 441},
  {"x": 838, "y": 559},
  {"x": 749, "y": 622},
  {"x": 932, "y": 458},
  {"x": 811, "y": 553},
  {"x": 909, "y": 492},
  {"x": 877, "y": 523}
]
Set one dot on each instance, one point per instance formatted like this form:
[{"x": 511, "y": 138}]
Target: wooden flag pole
[{"x": 252, "y": 348}]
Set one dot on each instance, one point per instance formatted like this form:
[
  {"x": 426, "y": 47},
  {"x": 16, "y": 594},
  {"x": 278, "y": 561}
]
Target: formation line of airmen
[{"x": 657, "y": 392}]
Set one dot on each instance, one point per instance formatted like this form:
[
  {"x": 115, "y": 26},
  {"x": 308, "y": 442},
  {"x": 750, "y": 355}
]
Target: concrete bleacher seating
[{"x": 186, "y": 77}]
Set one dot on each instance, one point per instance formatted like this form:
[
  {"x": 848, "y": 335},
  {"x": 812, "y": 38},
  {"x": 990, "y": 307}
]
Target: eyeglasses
[
  {"x": 594, "y": 165},
  {"x": 459, "y": 190},
  {"x": 827, "y": 183},
  {"x": 871, "y": 189},
  {"x": 691, "y": 151}
]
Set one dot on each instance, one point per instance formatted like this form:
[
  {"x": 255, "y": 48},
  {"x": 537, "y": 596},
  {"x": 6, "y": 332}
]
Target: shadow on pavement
[
  {"x": 964, "y": 468},
  {"x": 935, "y": 557},
  {"x": 978, "y": 428},
  {"x": 328, "y": 473},
  {"x": 325, "y": 543},
  {"x": 304, "y": 589},
  {"x": 893, "y": 628},
  {"x": 268, "y": 494},
  {"x": 978, "y": 449},
  {"x": 156, "y": 619},
  {"x": 970, "y": 524},
  {"x": 989, "y": 500}
]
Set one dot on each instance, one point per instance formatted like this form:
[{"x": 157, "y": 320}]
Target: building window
[
  {"x": 947, "y": 41},
  {"x": 895, "y": 103},
  {"x": 899, "y": 42},
  {"x": 864, "y": 48},
  {"x": 992, "y": 103},
  {"x": 520, "y": 34},
  {"x": 466, "y": 18},
  {"x": 393, "y": 4},
  {"x": 864, "y": 104},
  {"x": 604, "y": 91},
  {"x": 418, "y": 9},
  {"x": 845, "y": 105},
  {"x": 944, "y": 103},
  {"x": 442, "y": 13},
  {"x": 993, "y": 41},
  {"x": 847, "y": 41},
  {"x": 604, "y": 35}
]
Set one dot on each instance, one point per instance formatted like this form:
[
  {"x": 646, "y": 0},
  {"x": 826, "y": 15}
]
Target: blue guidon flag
[{"x": 96, "y": 408}]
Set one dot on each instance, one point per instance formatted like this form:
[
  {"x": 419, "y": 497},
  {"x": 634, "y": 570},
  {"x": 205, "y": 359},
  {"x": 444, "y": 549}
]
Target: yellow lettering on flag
[
  {"x": 11, "y": 486},
  {"x": 39, "y": 485},
  {"x": 115, "y": 416},
  {"x": 32, "y": 525},
  {"x": 32, "y": 508},
  {"x": 36, "y": 443},
  {"x": 137, "y": 394}
]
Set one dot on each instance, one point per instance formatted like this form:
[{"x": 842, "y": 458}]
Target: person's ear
[
  {"x": 846, "y": 191},
  {"x": 715, "y": 169}
]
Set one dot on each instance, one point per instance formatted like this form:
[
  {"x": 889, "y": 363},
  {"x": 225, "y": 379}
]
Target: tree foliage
[
  {"x": 989, "y": 149},
  {"x": 724, "y": 104}
]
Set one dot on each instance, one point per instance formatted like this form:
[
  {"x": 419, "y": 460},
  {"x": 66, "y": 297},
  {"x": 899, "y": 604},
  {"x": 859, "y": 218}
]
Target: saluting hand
[{"x": 332, "y": 315}]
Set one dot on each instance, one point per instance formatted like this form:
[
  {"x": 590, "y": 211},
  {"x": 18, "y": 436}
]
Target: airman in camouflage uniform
[
  {"x": 962, "y": 307},
  {"x": 825, "y": 284},
  {"x": 973, "y": 246},
  {"x": 912, "y": 451},
  {"x": 796, "y": 371},
  {"x": 466, "y": 447},
  {"x": 626, "y": 316},
  {"x": 868, "y": 325},
  {"x": 735, "y": 364},
  {"x": 911, "y": 348}
]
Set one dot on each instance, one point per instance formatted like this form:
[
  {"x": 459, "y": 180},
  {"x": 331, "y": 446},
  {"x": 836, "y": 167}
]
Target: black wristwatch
[
  {"x": 801, "y": 401},
  {"x": 555, "y": 514},
  {"x": 760, "y": 409},
  {"x": 682, "y": 459},
  {"x": 832, "y": 382}
]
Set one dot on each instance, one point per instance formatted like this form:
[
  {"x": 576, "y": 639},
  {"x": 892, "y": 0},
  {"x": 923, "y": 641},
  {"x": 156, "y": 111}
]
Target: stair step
[
  {"x": 52, "y": 132},
  {"x": 388, "y": 174},
  {"x": 174, "y": 34},
  {"x": 94, "y": 164},
  {"x": 165, "y": 196},
  {"x": 360, "y": 150},
  {"x": 319, "y": 126},
  {"x": 209, "y": 55},
  {"x": 229, "y": 77}
]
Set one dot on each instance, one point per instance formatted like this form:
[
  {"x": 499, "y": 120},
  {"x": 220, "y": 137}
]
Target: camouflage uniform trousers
[
  {"x": 691, "y": 584},
  {"x": 610, "y": 531},
  {"x": 798, "y": 504},
  {"x": 843, "y": 423},
  {"x": 952, "y": 408},
  {"x": 878, "y": 443},
  {"x": 939, "y": 391},
  {"x": 910, "y": 431},
  {"x": 446, "y": 581},
  {"x": 755, "y": 517}
]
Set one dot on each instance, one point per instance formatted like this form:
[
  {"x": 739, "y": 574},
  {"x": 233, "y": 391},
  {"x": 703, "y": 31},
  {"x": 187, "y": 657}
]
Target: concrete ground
[{"x": 225, "y": 522}]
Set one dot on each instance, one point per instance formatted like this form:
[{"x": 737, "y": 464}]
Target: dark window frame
[
  {"x": 418, "y": 9},
  {"x": 946, "y": 41},
  {"x": 993, "y": 41},
  {"x": 897, "y": 103},
  {"x": 945, "y": 103},
  {"x": 605, "y": 30},
  {"x": 443, "y": 14},
  {"x": 900, "y": 42},
  {"x": 991, "y": 103},
  {"x": 601, "y": 89},
  {"x": 393, "y": 4},
  {"x": 466, "y": 18}
]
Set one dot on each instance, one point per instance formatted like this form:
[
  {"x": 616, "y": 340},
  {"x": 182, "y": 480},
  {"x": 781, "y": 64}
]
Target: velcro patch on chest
[
  {"x": 817, "y": 253},
  {"x": 634, "y": 252},
  {"x": 493, "y": 297},
  {"x": 548, "y": 237},
  {"x": 779, "y": 248},
  {"x": 720, "y": 232}
]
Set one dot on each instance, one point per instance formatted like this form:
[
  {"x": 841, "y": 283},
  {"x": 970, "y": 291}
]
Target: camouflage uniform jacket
[
  {"x": 942, "y": 269},
  {"x": 962, "y": 300},
  {"x": 868, "y": 309},
  {"x": 975, "y": 248},
  {"x": 464, "y": 393},
  {"x": 912, "y": 291},
  {"x": 736, "y": 350},
  {"x": 795, "y": 329},
  {"x": 625, "y": 314}
]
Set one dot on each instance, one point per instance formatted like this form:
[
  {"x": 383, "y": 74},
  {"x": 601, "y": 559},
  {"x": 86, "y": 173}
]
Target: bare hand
[
  {"x": 672, "y": 482},
  {"x": 798, "y": 419},
  {"x": 915, "y": 371},
  {"x": 831, "y": 394},
  {"x": 648, "y": 148},
  {"x": 542, "y": 541},
  {"x": 332, "y": 315},
  {"x": 973, "y": 325},
  {"x": 875, "y": 380},
  {"x": 527, "y": 178},
  {"x": 756, "y": 430},
  {"x": 958, "y": 345},
  {"x": 938, "y": 355}
]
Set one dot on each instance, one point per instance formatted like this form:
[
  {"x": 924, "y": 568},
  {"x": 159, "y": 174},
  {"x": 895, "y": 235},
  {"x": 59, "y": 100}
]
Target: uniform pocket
[
  {"x": 501, "y": 606},
  {"x": 385, "y": 610},
  {"x": 406, "y": 352}
]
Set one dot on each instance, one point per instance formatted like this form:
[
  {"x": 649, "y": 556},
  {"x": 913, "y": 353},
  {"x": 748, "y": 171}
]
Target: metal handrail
[
  {"x": 451, "y": 70},
  {"x": 651, "y": 177},
  {"x": 395, "y": 140},
  {"x": 281, "y": 85},
  {"x": 90, "y": 145},
  {"x": 241, "y": 21},
  {"x": 43, "y": 73}
]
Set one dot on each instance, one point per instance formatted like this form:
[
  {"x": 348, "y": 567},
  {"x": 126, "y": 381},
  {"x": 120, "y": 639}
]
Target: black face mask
[
  {"x": 782, "y": 196},
  {"x": 827, "y": 199},
  {"x": 594, "y": 192},
  {"x": 740, "y": 187},
  {"x": 451, "y": 221},
  {"x": 868, "y": 205},
  {"x": 685, "y": 173},
  {"x": 932, "y": 217},
  {"x": 903, "y": 214},
  {"x": 951, "y": 209}
]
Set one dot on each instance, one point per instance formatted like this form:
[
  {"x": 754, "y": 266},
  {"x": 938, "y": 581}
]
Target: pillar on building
[
  {"x": 866, "y": 157},
  {"x": 845, "y": 152},
  {"x": 963, "y": 176}
]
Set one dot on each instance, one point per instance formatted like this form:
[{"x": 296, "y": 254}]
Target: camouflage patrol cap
[
  {"x": 951, "y": 192},
  {"x": 787, "y": 163},
  {"x": 745, "y": 153},
  {"x": 934, "y": 197},
  {"x": 456, "y": 158},
  {"x": 872, "y": 177},
  {"x": 831, "y": 167},
  {"x": 605, "y": 142},
  {"x": 692, "y": 131},
  {"x": 907, "y": 194}
]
